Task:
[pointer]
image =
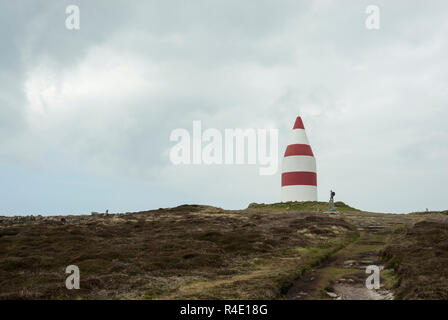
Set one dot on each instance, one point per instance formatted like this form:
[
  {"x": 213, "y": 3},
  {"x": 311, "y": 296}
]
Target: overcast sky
[{"x": 86, "y": 115}]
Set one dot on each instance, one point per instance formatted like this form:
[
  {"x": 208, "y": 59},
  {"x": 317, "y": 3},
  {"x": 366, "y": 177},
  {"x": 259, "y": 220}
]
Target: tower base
[{"x": 299, "y": 193}]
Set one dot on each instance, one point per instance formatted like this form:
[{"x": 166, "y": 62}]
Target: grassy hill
[
  {"x": 418, "y": 255},
  {"x": 309, "y": 206},
  {"x": 203, "y": 252}
]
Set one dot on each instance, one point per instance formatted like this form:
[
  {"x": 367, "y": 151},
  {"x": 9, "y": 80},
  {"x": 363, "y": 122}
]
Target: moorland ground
[{"x": 276, "y": 251}]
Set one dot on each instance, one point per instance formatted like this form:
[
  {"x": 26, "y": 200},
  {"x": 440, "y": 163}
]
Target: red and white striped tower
[{"x": 299, "y": 179}]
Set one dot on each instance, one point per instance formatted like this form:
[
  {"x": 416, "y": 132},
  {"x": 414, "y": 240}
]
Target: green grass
[
  {"x": 389, "y": 279},
  {"x": 311, "y": 206},
  {"x": 261, "y": 278}
]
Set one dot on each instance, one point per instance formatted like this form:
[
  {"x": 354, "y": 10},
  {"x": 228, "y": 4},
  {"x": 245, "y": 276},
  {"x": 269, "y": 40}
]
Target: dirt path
[{"x": 343, "y": 276}]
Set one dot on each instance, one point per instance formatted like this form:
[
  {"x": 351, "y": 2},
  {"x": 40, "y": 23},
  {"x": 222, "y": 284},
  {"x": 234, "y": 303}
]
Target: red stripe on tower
[
  {"x": 299, "y": 178},
  {"x": 299, "y": 150},
  {"x": 298, "y": 124}
]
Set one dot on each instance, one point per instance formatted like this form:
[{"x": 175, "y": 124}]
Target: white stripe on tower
[
  {"x": 298, "y": 136},
  {"x": 299, "y": 163},
  {"x": 299, "y": 179}
]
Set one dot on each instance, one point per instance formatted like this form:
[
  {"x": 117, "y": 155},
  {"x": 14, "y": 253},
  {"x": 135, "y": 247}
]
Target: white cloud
[{"x": 104, "y": 101}]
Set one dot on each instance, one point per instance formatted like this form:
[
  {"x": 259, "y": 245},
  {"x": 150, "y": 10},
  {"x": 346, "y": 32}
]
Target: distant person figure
[
  {"x": 107, "y": 211},
  {"x": 331, "y": 202},
  {"x": 332, "y": 194}
]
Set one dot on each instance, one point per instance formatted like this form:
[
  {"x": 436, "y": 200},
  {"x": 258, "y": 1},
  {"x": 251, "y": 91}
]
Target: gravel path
[{"x": 343, "y": 276}]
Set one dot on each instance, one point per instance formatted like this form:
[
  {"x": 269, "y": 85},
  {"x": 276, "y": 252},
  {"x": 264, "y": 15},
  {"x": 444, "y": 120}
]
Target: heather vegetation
[{"x": 267, "y": 251}]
